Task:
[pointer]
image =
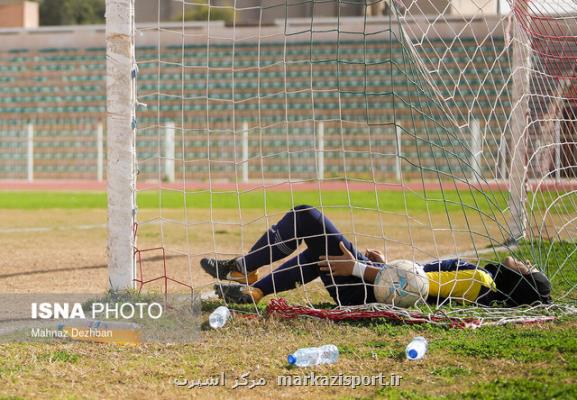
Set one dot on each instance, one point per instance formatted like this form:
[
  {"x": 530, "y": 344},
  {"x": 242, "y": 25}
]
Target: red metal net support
[{"x": 164, "y": 278}]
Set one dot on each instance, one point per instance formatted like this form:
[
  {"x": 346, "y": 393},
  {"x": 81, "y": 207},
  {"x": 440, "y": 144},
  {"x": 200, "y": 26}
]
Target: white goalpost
[
  {"x": 427, "y": 129},
  {"x": 519, "y": 126},
  {"x": 121, "y": 124}
]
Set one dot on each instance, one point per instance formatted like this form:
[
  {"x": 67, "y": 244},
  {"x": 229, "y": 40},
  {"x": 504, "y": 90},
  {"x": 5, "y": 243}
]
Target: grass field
[
  {"x": 389, "y": 201},
  {"x": 58, "y": 241},
  {"x": 434, "y": 201}
]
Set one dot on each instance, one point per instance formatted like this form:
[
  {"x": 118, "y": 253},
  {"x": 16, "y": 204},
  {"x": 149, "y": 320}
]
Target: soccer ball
[{"x": 401, "y": 283}]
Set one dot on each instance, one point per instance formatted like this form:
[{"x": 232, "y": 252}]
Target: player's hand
[
  {"x": 339, "y": 265},
  {"x": 524, "y": 268},
  {"x": 375, "y": 255}
]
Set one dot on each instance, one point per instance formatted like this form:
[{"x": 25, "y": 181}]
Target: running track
[{"x": 327, "y": 185}]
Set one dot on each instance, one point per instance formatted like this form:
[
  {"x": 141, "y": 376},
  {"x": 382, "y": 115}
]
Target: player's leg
[
  {"x": 345, "y": 290},
  {"x": 304, "y": 268},
  {"x": 298, "y": 270},
  {"x": 303, "y": 223}
]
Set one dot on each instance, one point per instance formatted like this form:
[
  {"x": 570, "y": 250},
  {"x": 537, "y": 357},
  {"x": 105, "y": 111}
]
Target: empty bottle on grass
[
  {"x": 101, "y": 331},
  {"x": 417, "y": 348},
  {"x": 219, "y": 317},
  {"x": 309, "y": 356}
]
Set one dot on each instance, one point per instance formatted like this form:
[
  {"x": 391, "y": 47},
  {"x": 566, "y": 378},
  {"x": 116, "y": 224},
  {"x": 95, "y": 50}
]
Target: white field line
[{"x": 52, "y": 228}]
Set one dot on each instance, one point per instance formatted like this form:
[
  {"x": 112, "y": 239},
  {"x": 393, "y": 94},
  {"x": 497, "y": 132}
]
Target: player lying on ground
[{"x": 511, "y": 283}]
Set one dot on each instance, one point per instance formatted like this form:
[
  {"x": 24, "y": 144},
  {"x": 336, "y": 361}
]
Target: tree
[
  {"x": 72, "y": 12},
  {"x": 201, "y": 13}
]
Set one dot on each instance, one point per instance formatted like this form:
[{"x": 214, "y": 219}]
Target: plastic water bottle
[
  {"x": 219, "y": 317},
  {"x": 309, "y": 356},
  {"x": 109, "y": 331},
  {"x": 97, "y": 324},
  {"x": 417, "y": 348}
]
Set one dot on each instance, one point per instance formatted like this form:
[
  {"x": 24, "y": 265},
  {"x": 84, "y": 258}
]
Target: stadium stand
[{"x": 279, "y": 90}]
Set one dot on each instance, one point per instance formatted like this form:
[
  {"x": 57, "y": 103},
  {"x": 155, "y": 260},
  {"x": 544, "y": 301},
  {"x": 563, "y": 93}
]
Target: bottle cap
[
  {"x": 291, "y": 359},
  {"x": 412, "y": 354}
]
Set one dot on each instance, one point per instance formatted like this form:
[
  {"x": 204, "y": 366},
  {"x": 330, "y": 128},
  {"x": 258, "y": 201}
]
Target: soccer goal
[{"x": 429, "y": 130}]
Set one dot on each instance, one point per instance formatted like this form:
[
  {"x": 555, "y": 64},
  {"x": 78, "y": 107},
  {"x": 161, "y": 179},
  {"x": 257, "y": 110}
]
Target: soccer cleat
[
  {"x": 239, "y": 294},
  {"x": 227, "y": 270},
  {"x": 219, "y": 268},
  {"x": 239, "y": 277}
]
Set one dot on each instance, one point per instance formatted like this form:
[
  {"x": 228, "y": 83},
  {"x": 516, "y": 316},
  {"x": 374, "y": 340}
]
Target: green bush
[
  {"x": 72, "y": 12},
  {"x": 204, "y": 12}
]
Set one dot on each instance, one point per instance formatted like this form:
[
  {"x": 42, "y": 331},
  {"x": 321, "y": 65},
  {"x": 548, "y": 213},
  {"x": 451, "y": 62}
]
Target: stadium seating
[{"x": 360, "y": 90}]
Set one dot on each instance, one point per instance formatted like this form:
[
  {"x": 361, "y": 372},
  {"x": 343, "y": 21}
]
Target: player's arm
[
  {"x": 376, "y": 256},
  {"x": 371, "y": 273},
  {"x": 347, "y": 265}
]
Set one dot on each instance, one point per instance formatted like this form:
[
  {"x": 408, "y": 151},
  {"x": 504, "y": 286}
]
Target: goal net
[{"x": 428, "y": 130}]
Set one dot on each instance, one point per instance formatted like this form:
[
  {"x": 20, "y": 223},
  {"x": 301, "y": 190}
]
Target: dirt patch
[{"x": 65, "y": 250}]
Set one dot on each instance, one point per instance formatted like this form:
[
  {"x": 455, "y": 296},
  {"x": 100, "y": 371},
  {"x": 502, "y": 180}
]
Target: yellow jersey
[{"x": 464, "y": 285}]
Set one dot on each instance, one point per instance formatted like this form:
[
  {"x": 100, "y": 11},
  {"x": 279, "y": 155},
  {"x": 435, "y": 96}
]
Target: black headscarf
[{"x": 515, "y": 289}]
